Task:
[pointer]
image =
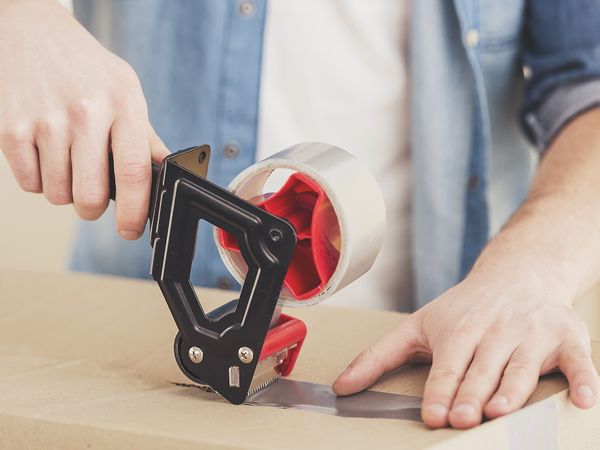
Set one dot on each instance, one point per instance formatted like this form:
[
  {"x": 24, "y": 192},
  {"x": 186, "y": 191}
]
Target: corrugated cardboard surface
[{"x": 87, "y": 362}]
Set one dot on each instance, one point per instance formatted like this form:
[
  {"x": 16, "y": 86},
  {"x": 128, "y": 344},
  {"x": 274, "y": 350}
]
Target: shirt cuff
[{"x": 560, "y": 107}]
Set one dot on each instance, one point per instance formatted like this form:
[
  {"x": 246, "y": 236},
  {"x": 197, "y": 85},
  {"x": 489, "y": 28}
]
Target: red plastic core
[{"x": 302, "y": 202}]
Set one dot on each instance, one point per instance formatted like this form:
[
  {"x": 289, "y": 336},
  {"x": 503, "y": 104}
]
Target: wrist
[{"x": 509, "y": 264}]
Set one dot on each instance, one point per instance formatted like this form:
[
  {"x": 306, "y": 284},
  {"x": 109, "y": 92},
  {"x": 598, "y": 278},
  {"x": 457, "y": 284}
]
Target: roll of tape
[{"x": 336, "y": 207}]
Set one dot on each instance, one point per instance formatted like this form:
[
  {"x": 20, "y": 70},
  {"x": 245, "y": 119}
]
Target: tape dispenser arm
[{"x": 224, "y": 347}]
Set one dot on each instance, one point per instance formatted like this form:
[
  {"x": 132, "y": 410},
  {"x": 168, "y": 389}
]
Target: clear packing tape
[
  {"x": 320, "y": 398},
  {"x": 336, "y": 207}
]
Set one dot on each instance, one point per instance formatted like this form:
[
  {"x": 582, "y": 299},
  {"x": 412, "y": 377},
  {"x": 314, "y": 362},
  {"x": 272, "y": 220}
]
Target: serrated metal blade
[{"x": 268, "y": 370}]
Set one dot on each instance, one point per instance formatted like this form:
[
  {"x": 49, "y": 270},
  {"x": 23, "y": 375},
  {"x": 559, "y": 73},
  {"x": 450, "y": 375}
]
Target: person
[{"x": 491, "y": 317}]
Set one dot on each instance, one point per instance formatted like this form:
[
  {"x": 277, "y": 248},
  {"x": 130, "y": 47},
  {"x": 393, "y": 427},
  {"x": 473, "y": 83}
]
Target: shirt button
[
  {"x": 527, "y": 72},
  {"x": 247, "y": 8},
  {"x": 223, "y": 283},
  {"x": 472, "y": 38},
  {"x": 473, "y": 182},
  {"x": 231, "y": 150}
]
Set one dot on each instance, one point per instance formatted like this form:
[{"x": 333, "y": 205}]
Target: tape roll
[{"x": 336, "y": 207}]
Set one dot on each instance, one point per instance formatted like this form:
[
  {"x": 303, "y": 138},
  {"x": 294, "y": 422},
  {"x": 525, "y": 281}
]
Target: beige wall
[
  {"x": 34, "y": 234},
  {"x": 37, "y": 236}
]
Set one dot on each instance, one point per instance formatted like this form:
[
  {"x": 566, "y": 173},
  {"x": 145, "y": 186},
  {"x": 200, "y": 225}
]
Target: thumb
[
  {"x": 158, "y": 149},
  {"x": 392, "y": 351}
]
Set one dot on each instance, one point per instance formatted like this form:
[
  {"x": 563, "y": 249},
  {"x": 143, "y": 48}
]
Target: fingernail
[
  {"x": 436, "y": 409},
  {"x": 499, "y": 400},
  {"x": 585, "y": 391},
  {"x": 464, "y": 409},
  {"x": 128, "y": 234}
]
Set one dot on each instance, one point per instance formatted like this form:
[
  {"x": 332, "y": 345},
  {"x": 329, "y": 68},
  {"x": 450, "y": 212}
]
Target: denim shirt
[{"x": 199, "y": 63}]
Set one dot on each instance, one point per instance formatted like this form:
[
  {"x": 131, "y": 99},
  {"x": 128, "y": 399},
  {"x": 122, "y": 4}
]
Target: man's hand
[
  {"x": 491, "y": 336},
  {"x": 65, "y": 101}
]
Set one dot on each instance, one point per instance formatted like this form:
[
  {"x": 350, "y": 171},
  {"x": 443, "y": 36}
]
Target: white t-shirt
[{"x": 336, "y": 71}]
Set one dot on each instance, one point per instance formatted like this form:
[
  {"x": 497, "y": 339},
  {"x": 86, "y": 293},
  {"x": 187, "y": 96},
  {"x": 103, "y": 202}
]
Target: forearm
[
  {"x": 555, "y": 234},
  {"x": 491, "y": 336}
]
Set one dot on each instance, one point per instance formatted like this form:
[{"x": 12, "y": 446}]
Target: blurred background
[{"x": 36, "y": 236}]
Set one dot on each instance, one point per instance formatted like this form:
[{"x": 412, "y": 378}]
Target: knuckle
[
  {"x": 15, "y": 135},
  {"x": 444, "y": 374},
  {"x": 481, "y": 372},
  {"x": 91, "y": 205},
  {"x": 497, "y": 328},
  {"x": 29, "y": 183},
  {"x": 126, "y": 105},
  {"x": 58, "y": 196},
  {"x": 47, "y": 128},
  {"x": 27, "y": 179},
  {"x": 80, "y": 111},
  {"x": 460, "y": 331},
  {"x": 127, "y": 74},
  {"x": 127, "y": 92},
  {"x": 134, "y": 173},
  {"x": 517, "y": 368},
  {"x": 129, "y": 103}
]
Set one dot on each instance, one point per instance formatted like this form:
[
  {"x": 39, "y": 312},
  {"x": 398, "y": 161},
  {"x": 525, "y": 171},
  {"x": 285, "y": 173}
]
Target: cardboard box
[{"x": 87, "y": 362}]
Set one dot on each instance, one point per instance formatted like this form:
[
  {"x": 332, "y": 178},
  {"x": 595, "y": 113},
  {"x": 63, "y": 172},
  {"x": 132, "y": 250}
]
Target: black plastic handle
[{"x": 266, "y": 244}]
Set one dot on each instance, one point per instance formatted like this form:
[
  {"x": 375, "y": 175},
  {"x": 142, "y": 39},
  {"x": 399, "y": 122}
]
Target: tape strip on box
[{"x": 286, "y": 393}]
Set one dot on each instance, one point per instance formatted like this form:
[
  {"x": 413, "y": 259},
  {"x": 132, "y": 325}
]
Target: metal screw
[
  {"x": 201, "y": 157},
  {"x": 196, "y": 355},
  {"x": 275, "y": 235},
  {"x": 246, "y": 355}
]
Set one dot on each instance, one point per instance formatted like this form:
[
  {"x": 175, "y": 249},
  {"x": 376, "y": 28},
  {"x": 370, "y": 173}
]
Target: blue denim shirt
[{"x": 199, "y": 64}]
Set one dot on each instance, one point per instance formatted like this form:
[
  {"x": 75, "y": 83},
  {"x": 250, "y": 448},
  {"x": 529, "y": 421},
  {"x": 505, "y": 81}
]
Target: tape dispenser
[{"x": 317, "y": 232}]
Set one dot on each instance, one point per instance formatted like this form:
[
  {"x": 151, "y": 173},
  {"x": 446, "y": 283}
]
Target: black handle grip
[{"x": 113, "y": 187}]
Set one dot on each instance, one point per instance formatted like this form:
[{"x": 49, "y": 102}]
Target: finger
[
  {"x": 574, "y": 360},
  {"x": 22, "y": 157},
  {"x": 158, "y": 149},
  {"x": 131, "y": 152},
  {"x": 89, "y": 155},
  {"x": 518, "y": 381},
  {"x": 449, "y": 365},
  {"x": 480, "y": 382},
  {"x": 52, "y": 141},
  {"x": 390, "y": 352}
]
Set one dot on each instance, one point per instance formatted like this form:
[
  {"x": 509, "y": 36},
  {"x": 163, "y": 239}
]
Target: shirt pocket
[{"x": 501, "y": 24}]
